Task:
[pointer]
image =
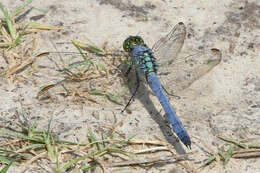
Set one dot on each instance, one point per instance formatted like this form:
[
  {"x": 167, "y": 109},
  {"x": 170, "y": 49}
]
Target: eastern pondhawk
[{"x": 165, "y": 72}]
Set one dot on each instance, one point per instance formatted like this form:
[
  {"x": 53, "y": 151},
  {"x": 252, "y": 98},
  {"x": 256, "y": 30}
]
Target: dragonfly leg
[
  {"x": 128, "y": 71},
  {"x": 173, "y": 95},
  {"x": 136, "y": 89}
]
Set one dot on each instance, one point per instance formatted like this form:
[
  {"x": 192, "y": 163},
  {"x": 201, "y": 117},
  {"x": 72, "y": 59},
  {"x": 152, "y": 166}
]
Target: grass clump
[
  {"x": 17, "y": 49},
  {"x": 236, "y": 149},
  {"x": 22, "y": 145}
]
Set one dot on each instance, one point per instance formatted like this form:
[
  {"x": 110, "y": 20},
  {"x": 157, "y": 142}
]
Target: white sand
[{"x": 224, "y": 102}]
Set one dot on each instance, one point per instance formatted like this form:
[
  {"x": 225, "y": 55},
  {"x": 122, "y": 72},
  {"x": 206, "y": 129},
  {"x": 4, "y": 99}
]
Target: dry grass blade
[
  {"x": 26, "y": 164},
  {"x": 150, "y": 160},
  {"x": 151, "y": 150},
  {"x": 44, "y": 89},
  {"x": 37, "y": 26},
  {"x": 20, "y": 67},
  {"x": 149, "y": 142},
  {"x": 246, "y": 154}
]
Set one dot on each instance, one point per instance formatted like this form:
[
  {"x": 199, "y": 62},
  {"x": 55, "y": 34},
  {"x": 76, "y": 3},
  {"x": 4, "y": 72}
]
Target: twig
[
  {"x": 151, "y": 150},
  {"x": 150, "y": 160}
]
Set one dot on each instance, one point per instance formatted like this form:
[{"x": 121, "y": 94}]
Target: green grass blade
[
  {"x": 5, "y": 169},
  {"x": 22, "y": 7},
  {"x": 104, "y": 137},
  {"x": 86, "y": 168},
  {"x": 116, "y": 150},
  {"x": 114, "y": 99},
  {"x": 96, "y": 50},
  {"x": 128, "y": 139},
  {"x": 31, "y": 130},
  {"x": 68, "y": 143},
  {"x": 33, "y": 146},
  {"x": 209, "y": 161},
  {"x": 9, "y": 22},
  {"x": 96, "y": 92},
  {"x": 49, "y": 125},
  {"x": 13, "y": 122},
  {"x": 80, "y": 51},
  {"x": 77, "y": 64},
  {"x": 6, "y": 44},
  {"x": 102, "y": 67},
  {"x": 74, "y": 161},
  {"x": 5, "y": 151},
  {"x": 49, "y": 146},
  {"x": 57, "y": 158},
  {"x": 93, "y": 138},
  {"x": 17, "y": 135},
  {"x": 229, "y": 154},
  {"x": 89, "y": 48},
  {"x": 5, "y": 159},
  {"x": 41, "y": 10},
  {"x": 122, "y": 142},
  {"x": 17, "y": 40},
  {"x": 237, "y": 143}
]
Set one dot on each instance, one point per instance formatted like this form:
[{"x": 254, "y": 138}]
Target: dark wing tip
[
  {"x": 43, "y": 54},
  {"x": 181, "y": 23},
  {"x": 215, "y": 50}
]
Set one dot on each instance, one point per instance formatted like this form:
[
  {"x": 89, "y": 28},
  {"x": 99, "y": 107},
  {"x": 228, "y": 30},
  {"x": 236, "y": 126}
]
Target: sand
[{"x": 225, "y": 102}]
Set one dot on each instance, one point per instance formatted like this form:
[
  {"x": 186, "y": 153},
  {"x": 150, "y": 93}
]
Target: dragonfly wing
[
  {"x": 182, "y": 73},
  {"x": 167, "y": 48},
  {"x": 177, "y": 73}
]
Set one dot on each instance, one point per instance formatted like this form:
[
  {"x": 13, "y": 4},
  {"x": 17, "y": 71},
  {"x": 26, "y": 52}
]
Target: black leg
[
  {"x": 176, "y": 96},
  {"x": 137, "y": 86},
  {"x": 128, "y": 71}
]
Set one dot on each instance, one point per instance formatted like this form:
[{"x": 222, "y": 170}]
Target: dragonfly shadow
[
  {"x": 159, "y": 117},
  {"x": 143, "y": 95}
]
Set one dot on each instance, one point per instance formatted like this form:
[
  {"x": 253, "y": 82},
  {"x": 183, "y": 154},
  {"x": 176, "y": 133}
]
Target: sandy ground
[{"x": 224, "y": 102}]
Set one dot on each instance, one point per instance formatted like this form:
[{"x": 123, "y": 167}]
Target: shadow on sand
[{"x": 158, "y": 116}]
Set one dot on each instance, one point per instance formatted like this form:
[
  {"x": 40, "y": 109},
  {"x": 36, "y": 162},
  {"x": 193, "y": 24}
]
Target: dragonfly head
[{"x": 131, "y": 42}]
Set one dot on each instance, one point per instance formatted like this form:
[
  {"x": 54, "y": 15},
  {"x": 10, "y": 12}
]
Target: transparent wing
[
  {"x": 178, "y": 73},
  {"x": 182, "y": 74},
  {"x": 167, "y": 48}
]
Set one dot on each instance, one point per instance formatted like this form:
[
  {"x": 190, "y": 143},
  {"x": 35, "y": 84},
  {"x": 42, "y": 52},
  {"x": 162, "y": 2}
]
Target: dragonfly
[{"x": 166, "y": 73}]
